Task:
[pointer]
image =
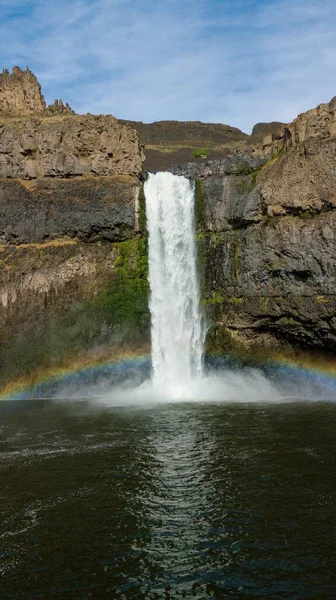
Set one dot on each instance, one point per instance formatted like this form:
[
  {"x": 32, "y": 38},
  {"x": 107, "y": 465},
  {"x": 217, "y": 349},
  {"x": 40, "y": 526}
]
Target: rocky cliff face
[
  {"x": 68, "y": 146},
  {"x": 267, "y": 228},
  {"x": 320, "y": 123},
  {"x": 20, "y": 93},
  {"x": 72, "y": 272},
  {"x": 89, "y": 209},
  {"x": 66, "y": 302},
  {"x": 73, "y": 254}
]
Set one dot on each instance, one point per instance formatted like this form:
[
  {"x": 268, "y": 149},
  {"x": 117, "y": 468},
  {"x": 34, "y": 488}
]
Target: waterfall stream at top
[{"x": 177, "y": 329}]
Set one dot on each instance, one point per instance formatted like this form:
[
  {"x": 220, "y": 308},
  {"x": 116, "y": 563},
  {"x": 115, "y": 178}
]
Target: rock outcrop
[
  {"x": 20, "y": 93},
  {"x": 320, "y": 122},
  {"x": 59, "y": 108},
  {"x": 267, "y": 228},
  {"x": 72, "y": 273},
  {"x": 86, "y": 208},
  {"x": 260, "y": 130},
  {"x": 68, "y": 146}
]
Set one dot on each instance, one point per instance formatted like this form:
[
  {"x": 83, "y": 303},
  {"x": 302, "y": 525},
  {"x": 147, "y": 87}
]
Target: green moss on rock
[
  {"x": 108, "y": 309},
  {"x": 124, "y": 300},
  {"x": 199, "y": 205},
  {"x": 142, "y": 209}
]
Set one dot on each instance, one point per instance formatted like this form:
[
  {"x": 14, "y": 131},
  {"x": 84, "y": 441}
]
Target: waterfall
[{"x": 177, "y": 330}]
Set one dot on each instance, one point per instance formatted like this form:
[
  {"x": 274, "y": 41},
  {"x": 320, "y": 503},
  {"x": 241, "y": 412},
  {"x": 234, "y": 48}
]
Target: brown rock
[
  {"x": 68, "y": 146},
  {"x": 319, "y": 122},
  {"x": 20, "y": 93},
  {"x": 58, "y": 107}
]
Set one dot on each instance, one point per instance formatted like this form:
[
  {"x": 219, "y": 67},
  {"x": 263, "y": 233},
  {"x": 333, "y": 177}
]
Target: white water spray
[{"x": 176, "y": 322}]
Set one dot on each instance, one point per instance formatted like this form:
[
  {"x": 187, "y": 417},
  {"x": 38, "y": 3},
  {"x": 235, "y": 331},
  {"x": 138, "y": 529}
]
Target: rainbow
[
  {"x": 75, "y": 374},
  {"x": 83, "y": 375}
]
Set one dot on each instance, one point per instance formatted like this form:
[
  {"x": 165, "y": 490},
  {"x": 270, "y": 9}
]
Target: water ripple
[{"x": 183, "y": 501}]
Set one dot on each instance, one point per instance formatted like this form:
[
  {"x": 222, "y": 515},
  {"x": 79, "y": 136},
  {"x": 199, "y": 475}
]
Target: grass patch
[
  {"x": 236, "y": 301},
  {"x": 124, "y": 301},
  {"x": 200, "y": 153},
  {"x": 242, "y": 169}
]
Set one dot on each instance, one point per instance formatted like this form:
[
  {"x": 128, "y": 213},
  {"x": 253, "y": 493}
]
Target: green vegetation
[
  {"x": 236, "y": 301},
  {"x": 322, "y": 300},
  {"x": 199, "y": 205},
  {"x": 200, "y": 153},
  {"x": 253, "y": 179},
  {"x": 249, "y": 175},
  {"x": 215, "y": 298},
  {"x": 307, "y": 214},
  {"x": 263, "y": 301},
  {"x": 248, "y": 179},
  {"x": 218, "y": 298},
  {"x": 271, "y": 220},
  {"x": 221, "y": 341},
  {"x": 110, "y": 313},
  {"x": 124, "y": 300},
  {"x": 201, "y": 260},
  {"x": 288, "y": 322},
  {"x": 142, "y": 209},
  {"x": 242, "y": 169},
  {"x": 241, "y": 186}
]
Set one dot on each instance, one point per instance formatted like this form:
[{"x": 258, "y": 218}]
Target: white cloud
[{"x": 237, "y": 63}]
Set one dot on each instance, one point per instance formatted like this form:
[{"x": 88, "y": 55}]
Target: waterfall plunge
[{"x": 177, "y": 329}]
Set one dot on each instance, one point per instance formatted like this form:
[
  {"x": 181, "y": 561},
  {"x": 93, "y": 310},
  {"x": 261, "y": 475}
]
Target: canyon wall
[
  {"x": 67, "y": 145},
  {"x": 319, "y": 122},
  {"x": 73, "y": 248},
  {"x": 73, "y": 266},
  {"x": 267, "y": 231}
]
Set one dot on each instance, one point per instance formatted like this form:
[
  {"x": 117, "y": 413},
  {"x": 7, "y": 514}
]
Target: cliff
[
  {"x": 20, "y": 93},
  {"x": 72, "y": 273},
  {"x": 320, "y": 123},
  {"x": 73, "y": 247},
  {"x": 267, "y": 232},
  {"x": 68, "y": 146}
]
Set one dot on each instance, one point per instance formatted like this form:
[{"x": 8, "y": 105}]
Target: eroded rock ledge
[
  {"x": 267, "y": 231},
  {"x": 72, "y": 259},
  {"x": 68, "y": 146}
]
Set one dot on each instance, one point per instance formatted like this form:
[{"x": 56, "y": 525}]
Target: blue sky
[{"x": 228, "y": 61}]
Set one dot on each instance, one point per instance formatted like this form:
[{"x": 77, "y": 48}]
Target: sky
[{"x": 237, "y": 62}]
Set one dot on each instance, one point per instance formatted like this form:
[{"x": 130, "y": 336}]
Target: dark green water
[{"x": 174, "y": 501}]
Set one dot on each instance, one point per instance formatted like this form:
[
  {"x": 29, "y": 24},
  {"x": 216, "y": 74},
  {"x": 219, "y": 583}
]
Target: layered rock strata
[
  {"x": 72, "y": 267},
  {"x": 73, "y": 255},
  {"x": 319, "y": 122},
  {"x": 68, "y": 146},
  {"x": 267, "y": 233}
]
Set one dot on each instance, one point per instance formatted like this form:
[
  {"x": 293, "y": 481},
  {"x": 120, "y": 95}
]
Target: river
[{"x": 168, "y": 501}]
